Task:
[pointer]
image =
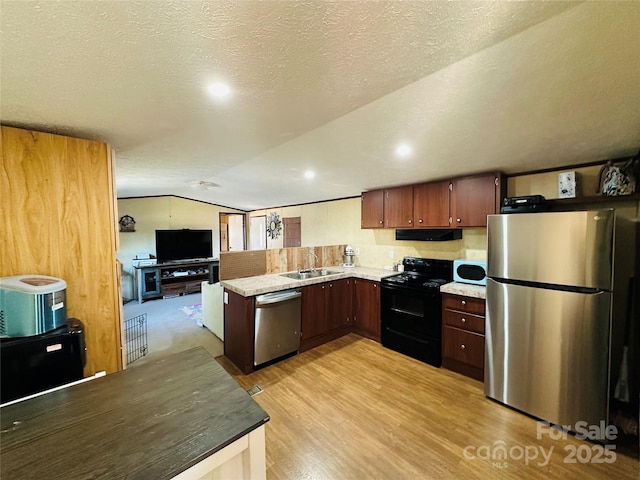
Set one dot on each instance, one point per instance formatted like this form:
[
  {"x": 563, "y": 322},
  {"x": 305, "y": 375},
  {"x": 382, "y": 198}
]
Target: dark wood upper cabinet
[
  {"x": 431, "y": 204},
  {"x": 461, "y": 202},
  {"x": 471, "y": 199},
  {"x": 373, "y": 209},
  {"x": 398, "y": 207}
]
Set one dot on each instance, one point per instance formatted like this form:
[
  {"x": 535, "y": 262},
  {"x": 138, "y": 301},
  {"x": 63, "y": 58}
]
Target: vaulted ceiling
[{"x": 328, "y": 87}]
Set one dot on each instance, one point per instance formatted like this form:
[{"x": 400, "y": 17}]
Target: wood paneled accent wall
[
  {"x": 58, "y": 218},
  {"x": 277, "y": 260}
]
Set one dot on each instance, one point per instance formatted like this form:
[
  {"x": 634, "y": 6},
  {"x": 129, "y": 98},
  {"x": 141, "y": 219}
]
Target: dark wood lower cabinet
[
  {"x": 463, "y": 335},
  {"x": 239, "y": 314},
  {"x": 314, "y": 311},
  {"x": 329, "y": 311},
  {"x": 326, "y": 312},
  {"x": 367, "y": 308}
]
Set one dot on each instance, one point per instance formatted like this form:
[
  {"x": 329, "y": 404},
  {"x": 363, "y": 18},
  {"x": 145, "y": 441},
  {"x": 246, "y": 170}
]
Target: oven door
[{"x": 411, "y": 321}]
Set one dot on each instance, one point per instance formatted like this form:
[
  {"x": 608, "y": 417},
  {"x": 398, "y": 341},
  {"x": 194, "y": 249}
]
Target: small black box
[{"x": 524, "y": 204}]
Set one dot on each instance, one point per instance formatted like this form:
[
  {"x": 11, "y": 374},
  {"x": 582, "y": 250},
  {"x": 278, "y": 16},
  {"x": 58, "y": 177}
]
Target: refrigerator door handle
[{"x": 549, "y": 286}]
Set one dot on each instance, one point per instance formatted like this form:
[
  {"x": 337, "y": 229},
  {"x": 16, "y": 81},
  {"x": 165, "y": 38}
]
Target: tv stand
[{"x": 174, "y": 278}]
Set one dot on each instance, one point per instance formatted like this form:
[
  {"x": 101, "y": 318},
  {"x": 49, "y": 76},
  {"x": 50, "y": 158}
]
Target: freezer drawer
[
  {"x": 547, "y": 352},
  {"x": 277, "y": 325}
]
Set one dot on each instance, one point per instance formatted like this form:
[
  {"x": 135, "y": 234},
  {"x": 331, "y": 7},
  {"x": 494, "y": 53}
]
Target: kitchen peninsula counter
[
  {"x": 181, "y": 416},
  {"x": 250, "y": 286}
]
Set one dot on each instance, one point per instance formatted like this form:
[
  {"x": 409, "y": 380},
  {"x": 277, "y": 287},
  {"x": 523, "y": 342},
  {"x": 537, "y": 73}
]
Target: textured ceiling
[{"x": 327, "y": 86}]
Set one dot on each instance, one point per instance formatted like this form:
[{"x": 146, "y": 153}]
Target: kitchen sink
[{"x": 304, "y": 274}]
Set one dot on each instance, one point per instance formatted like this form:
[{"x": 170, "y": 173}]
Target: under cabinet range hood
[{"x": 429, "y": 234}]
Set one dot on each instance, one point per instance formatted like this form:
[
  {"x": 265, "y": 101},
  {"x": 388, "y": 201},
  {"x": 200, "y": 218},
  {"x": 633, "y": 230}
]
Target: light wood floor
[{"x": 352, "y": 409}]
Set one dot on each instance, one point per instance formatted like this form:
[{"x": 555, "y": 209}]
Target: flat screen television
[{"x": 172, "y": 245}]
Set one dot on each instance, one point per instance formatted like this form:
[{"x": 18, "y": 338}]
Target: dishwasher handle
[{"x": 277, "y": 297}]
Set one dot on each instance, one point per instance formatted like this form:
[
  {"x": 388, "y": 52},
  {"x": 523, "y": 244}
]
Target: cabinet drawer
[
  {"x": 464, "y": 304},
  {"x": 193, "y": 286},
  {"x": 173, "y": 289},
  {"x": 465, "y": 347},
  {"x": 464, "y": 321}
]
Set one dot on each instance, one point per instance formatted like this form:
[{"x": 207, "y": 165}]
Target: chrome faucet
[{"x": 312, "y": 265}]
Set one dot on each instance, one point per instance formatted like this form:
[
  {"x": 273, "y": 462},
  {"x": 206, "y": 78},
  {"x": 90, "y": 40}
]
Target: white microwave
[{"x": 470, "y": 271}]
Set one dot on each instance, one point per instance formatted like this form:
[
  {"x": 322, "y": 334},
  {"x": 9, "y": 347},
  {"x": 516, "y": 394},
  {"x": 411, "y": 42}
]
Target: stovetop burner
[
  {"x": 435, "y": 283},
  {"x": 423, "y": 273}
]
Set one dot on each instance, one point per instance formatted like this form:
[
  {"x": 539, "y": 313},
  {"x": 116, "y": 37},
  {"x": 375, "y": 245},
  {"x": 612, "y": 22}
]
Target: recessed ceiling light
[
  {"x": 219, "y": 90},
  {"x": 309, "y": 174},
  {"x": 403, "y": 150}
]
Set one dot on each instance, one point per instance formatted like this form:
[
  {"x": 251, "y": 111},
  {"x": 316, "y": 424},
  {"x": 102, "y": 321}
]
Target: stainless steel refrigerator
[{"x": 554, "y": 314}]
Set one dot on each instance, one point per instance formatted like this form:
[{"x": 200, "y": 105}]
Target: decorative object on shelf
[
  {"x": 568, "y": 185},
  {"x": 127, "y": 224},
  {"x": 274, "y": 225},
  {"x": 620, "y": 180}
]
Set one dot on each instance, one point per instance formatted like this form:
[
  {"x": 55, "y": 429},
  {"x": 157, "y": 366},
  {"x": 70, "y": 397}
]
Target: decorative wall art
[
  {"x": 274, "y": 226},
  {"x": 127, "y": 224}
]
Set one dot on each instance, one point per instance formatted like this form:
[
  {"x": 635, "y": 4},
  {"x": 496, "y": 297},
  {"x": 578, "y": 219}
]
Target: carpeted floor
[
  {"x": 173, "y": 325},
  {"x": 194, "y": 312}
]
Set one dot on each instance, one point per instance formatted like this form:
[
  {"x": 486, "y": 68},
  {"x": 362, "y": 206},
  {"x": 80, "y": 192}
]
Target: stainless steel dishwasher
[{"x": 277, "y": 325}]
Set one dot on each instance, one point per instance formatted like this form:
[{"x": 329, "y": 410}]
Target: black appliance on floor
[
  {"x": 33, "y": 364},
  {"x": 411, "y": 309}
]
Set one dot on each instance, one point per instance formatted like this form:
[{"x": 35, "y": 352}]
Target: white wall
[
  {"x": 162, "y": 213},
  {"x": 338, "y": 222}
]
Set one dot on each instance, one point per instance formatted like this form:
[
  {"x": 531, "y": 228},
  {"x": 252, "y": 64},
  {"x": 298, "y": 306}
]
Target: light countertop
[
  {"x": 465, "y": 289},
  {"x": 250, "y": 286}
]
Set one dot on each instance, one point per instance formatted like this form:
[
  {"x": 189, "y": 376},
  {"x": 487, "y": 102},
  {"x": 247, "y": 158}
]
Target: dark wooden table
[{"x": 152, "y": 421}]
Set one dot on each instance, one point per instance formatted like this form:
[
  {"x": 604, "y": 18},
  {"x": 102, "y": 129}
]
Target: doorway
[
  {"x": 232, "y": 232},
  {"x": 292, "y": 232},
  {"x": 258, "y": 232}
]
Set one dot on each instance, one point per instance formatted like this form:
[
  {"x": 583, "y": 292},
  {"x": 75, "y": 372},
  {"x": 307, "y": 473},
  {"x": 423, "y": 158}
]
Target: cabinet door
[
  {"x": 472, "y": 199},
  {"x": 314, "y": 311},
  {"x": 431, "y": 204},
  {"x": 367, "y": 308},
  {"x": 339, "y": 304},
  {"x": 149, "y": 282},
  {"x": 398, "y": 207},
  {"x": 373, "y": 209},
  {"x": 239, "y": 330}
]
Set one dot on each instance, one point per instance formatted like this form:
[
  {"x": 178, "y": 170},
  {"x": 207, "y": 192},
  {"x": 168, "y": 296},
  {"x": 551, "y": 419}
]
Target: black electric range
[{"x": 411, "y": 308}]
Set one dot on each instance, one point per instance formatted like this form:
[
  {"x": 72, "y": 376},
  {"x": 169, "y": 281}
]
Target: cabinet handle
[
  {"x": 458, "y": 220},
  {"x": 462, "y": 346},
  {"x": 464, "y": 302},
  {"x": 375, "y": 285},
  {"x": 410, "y": 221},
  {"x": 380, "y": 222},
  {"x": 323, "y": 287},
  {"x": 464, "y": 320},
  {"x": 420, "y": 221}
]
